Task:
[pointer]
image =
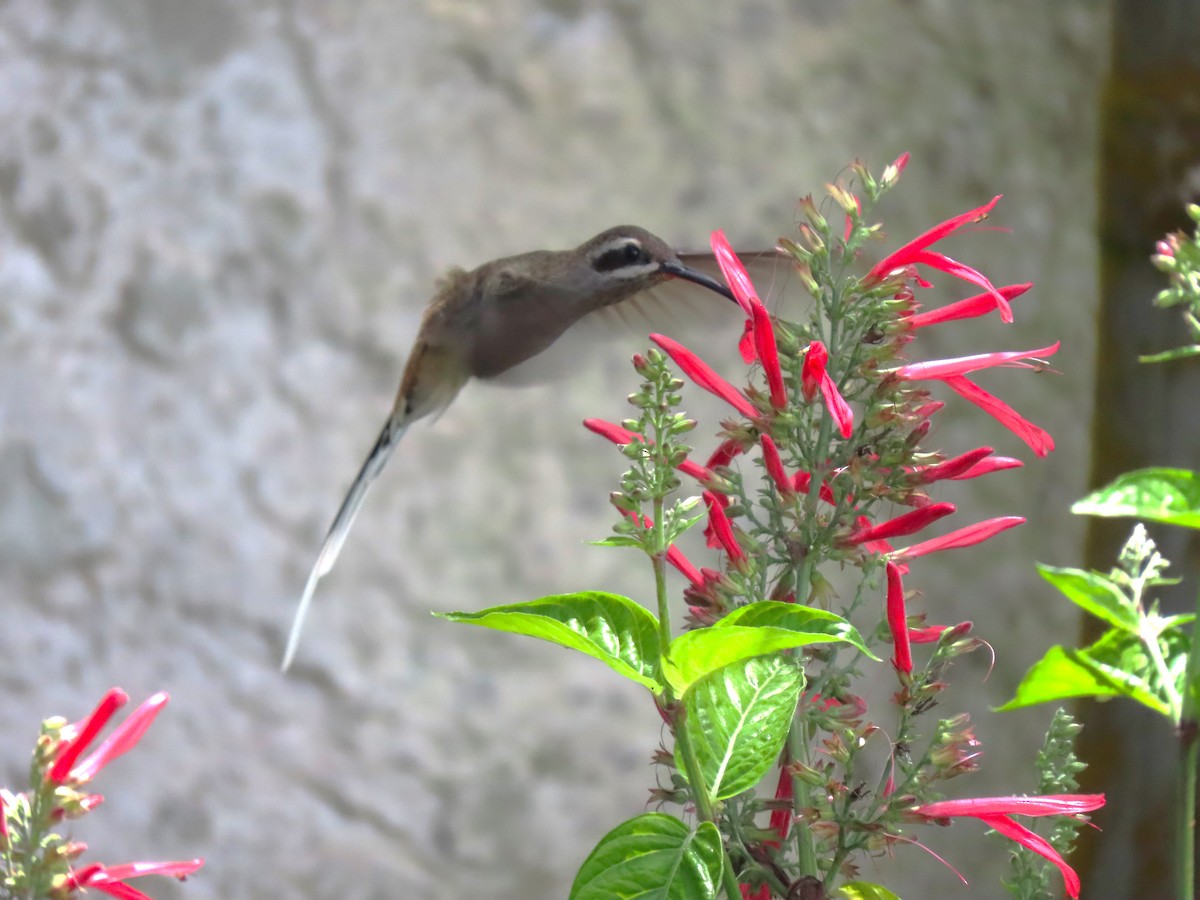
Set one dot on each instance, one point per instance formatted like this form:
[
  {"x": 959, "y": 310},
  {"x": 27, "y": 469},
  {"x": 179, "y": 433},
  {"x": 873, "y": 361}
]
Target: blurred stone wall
[{"x": 219, "y": 223}]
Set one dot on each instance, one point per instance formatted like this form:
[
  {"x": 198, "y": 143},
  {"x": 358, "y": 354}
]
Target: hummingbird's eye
[{"x": 622, "y": 256}]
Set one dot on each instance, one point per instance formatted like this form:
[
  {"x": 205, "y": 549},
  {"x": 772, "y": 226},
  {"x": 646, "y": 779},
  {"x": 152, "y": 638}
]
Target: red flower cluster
[{"x": 67, "y": 769}]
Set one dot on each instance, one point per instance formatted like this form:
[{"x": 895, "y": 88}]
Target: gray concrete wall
[{"x": 219, "y": 223}]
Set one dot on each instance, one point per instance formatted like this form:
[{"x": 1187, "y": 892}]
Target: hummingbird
[{"x": 482, "y": 323}]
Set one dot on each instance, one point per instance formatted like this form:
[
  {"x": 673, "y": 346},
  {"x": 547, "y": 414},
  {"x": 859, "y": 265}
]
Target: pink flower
[
  {"x": 111, "y": 879},
  {"x": 897, "y": 619},
  {"x": 813, "y": 375},
  {"x": 721, "y": 527},
  {"x": 907, "y": 523},
  {"x": 997, "y": 812},
  {"x": 916, "y": 252},
  {"x": 962, "y": 537},
  {"x": 701, "y": 373}
]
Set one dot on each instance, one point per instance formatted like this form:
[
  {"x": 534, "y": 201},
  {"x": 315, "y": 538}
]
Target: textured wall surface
[{"x": 219, "y": 223}]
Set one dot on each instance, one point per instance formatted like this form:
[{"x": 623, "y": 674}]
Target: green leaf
[
  {"x": 617, "y": 540},
  {"x": 653, "y": 857},
  {"x": 738, "y": 719},
  {"x": 1171, "y": 496},
  {"x": 1114, "y": 666},
  {"x": 864, "y": 890},
  {"x": 798, "y": 618},
  {"x": 1094, "y": 593},
  {"x": 615, "y": 630},
  {"x": 776, "y": 626}
]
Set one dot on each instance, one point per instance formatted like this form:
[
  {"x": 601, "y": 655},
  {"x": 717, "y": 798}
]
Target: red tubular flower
[
  {"x": 952, "y": 373},
  {"x": 684, "y": 565},
  {"x": 813, "y": 369},
  {"x": 735, "y": 273},
  {"x": 781, "y": 819},
  {"x": 701, "y": 373},
  {"x": 725, "y": 453},
  {"x": 907, "y": 523},
  {"x": 622, "y": 436},
  {"x": 813, "y": 375},
  {"x": 774, "y": 465},
  {"x": 618, "y": 434},
  {"x": 965, "y": 365},
  {"x": 963, "y": 537},
  {"x": 956, "y": 467},
  {"x": 916, "y": 252},
  {"x": 985, "y": 466},
  {"x": 84, "y": 732},
  {"x": 124, "y": 738},
  {"x": 768, "y": 353},
  {"x": 997, "y": 812},
  {"x": 111, "y": 879},
  {"x": 897, "y": 619},
  {"x": 1038, "y": 439},
  {"x": 743, "y": 291},
  {"x": 967, "y": 308},
  {"x": 802, "y": 483},
  {"x": 722, "y": 528}
]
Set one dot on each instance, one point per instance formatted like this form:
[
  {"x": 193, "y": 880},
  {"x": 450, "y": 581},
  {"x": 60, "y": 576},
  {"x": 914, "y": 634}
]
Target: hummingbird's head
[{"x": 632, "y": 259}]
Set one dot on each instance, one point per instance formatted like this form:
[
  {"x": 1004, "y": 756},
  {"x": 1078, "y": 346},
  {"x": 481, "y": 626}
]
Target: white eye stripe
[{"x": 634, "y": 271}]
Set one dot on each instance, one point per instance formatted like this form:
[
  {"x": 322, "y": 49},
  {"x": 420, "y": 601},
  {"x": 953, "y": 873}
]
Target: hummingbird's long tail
[{"x": 393, "y": 430}]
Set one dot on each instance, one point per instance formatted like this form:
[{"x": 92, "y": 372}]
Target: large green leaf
[
  {"x": 653, "y": 857},
  {"x": 1171, "y": 496},
  {"x": 738, "y": 719},
  {"x": 1114, "y": 666},
  {"x": 1094, "y": 593},
  {"x": 754, "y": 630},
  {"x": 615, "y": 630}
]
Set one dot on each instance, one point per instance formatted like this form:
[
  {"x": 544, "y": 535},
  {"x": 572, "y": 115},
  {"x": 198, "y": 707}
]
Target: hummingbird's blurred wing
[{"x": 682, "y": 309}]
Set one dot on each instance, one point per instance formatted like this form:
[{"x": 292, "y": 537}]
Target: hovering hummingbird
[{"x": 482, "y": 323}]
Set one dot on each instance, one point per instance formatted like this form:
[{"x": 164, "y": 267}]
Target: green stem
[
  {"x": 704, "y": 807},
  {"x": 797, "y": 743},
  {"x": 1185, "y": 831},
  {"x": 1189, "y": 732},
  {"x": 659, "y": 560},
  {"x": 691, "y": 765}
]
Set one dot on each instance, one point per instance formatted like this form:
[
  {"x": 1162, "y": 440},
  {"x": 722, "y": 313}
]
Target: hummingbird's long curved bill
[{"x": 679, "y": 270}]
